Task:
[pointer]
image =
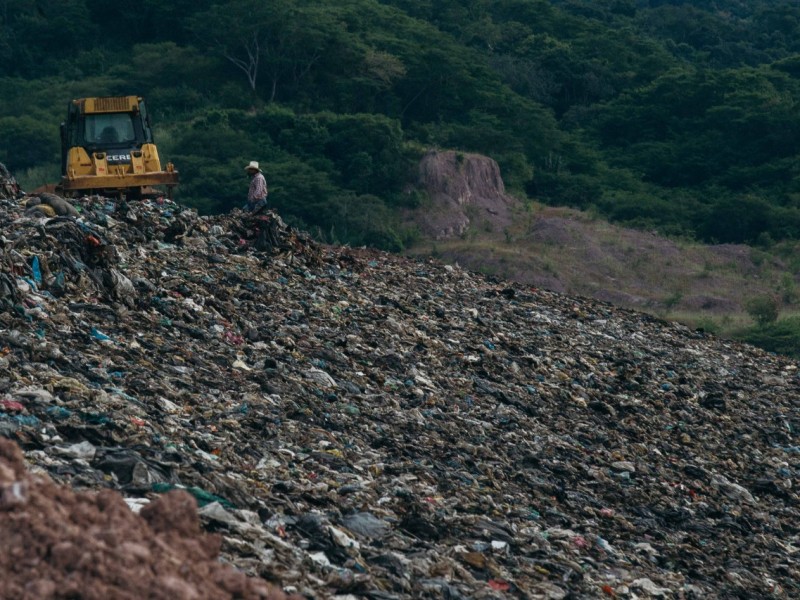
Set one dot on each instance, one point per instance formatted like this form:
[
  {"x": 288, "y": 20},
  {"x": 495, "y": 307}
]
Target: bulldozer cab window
[{"x": 108, "y": 129}]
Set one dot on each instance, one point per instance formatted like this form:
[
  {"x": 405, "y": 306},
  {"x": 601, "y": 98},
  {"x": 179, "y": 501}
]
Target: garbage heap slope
[{"x": 358, "y": 425}]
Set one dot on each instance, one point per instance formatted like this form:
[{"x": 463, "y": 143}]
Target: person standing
[{"x": 257, "y": 194}]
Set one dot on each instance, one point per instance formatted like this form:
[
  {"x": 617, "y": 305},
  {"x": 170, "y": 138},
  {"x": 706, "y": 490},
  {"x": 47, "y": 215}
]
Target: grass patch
[
  {"x": 709, "y": 324},
  {"x": 788, "y": 289},
  {"x": 672, "y": 300},
  {"x": 706, "y": 272},
  {"x": 781, "y": 337},
  {"x": 724, "y": 325},
  {"x": 30, "y": 179}
]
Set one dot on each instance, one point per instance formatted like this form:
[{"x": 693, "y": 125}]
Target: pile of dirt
[
  {"x": 61, "y": 544},
  {"x": 465, "y": 190}
]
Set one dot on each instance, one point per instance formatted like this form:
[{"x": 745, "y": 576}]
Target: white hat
[{"x": 253, "y": 165}]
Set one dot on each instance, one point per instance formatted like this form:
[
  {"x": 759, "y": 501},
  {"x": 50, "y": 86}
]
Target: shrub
[
  {"x": 782, "y": 337},
  {"x": 707, "y": 324},
  {"x": 762, "y": 309}
]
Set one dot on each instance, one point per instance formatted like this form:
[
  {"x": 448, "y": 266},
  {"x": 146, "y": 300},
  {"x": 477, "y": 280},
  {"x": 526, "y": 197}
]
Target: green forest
[{"x": 678, "y": 116}]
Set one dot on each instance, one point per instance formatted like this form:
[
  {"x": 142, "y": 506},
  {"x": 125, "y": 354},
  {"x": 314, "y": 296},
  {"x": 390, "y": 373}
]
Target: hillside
[
  {"x": 570, "y": 252},
  {"x": 471, "y": 220},
  {"x": 359, "y": 425}
]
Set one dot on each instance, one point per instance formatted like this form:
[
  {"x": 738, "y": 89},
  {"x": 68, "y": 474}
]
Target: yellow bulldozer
[{"x": 107, "y": 148}]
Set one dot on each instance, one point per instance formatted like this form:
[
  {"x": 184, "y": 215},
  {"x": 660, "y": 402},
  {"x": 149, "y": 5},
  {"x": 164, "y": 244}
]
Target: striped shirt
[{"x": 258, "y": 188}]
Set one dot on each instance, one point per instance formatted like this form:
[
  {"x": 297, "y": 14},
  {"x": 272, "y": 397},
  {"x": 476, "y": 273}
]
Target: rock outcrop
[{"x": 464, "y": 190}]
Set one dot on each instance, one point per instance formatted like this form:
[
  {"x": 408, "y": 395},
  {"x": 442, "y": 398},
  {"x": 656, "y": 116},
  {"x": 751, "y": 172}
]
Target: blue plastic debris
[
  {"x": 99, "y": 335},
  {"x": 37, "y": 270}
]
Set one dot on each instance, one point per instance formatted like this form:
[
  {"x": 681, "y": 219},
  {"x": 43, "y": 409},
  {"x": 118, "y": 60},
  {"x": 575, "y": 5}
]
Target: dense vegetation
[{"x": 675, "y": 115}]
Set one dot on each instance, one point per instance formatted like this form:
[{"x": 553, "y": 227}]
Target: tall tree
[{"x": 282, "y": 40}]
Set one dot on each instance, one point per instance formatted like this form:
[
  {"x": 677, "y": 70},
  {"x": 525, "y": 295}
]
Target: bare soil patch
[
  {"x": 63, "y": 544},
  {"x": 465, "y": 190}
]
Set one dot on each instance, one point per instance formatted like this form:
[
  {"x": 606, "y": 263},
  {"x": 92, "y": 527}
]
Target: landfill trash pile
[
  {"x": 357, "y": 425},
  {"x": 9, "y": 188}
]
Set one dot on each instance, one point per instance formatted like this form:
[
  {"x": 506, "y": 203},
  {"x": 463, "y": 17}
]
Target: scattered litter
[{"x": 355, "y": 424}]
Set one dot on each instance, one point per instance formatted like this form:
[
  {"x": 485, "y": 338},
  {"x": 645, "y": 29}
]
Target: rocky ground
[{"x": 354, "y": 425}]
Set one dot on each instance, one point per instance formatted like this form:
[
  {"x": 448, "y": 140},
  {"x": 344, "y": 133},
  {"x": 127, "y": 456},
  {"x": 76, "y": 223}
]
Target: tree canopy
[{"x": 678, "y": 116}]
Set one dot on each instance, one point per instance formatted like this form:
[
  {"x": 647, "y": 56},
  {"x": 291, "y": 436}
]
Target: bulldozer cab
[{"x": 107, "y": 147}]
